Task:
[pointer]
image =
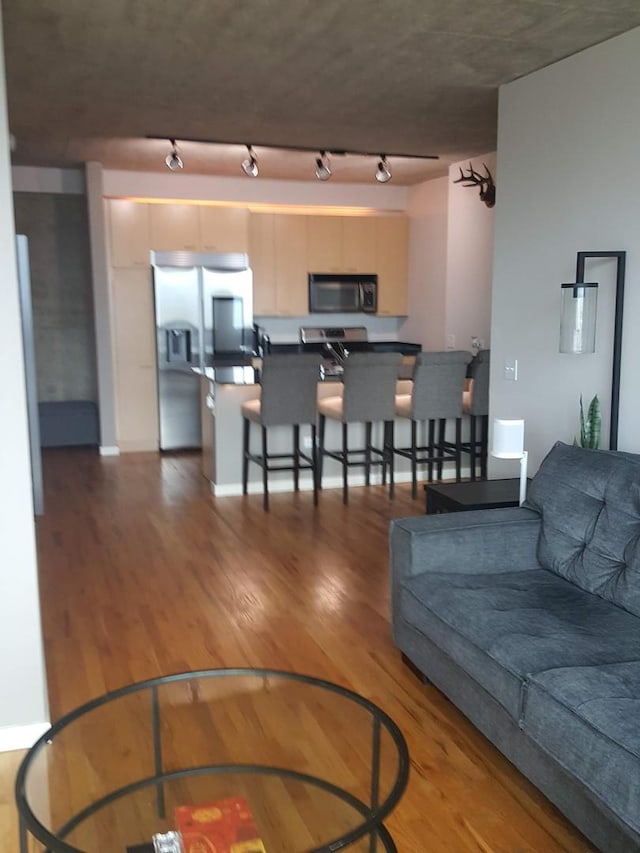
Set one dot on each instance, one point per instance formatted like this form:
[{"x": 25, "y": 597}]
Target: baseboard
[
  {"x": 106, "y": 450},
  {"x": 224, "y": 490},
  {"x": 21, "y": 737}
]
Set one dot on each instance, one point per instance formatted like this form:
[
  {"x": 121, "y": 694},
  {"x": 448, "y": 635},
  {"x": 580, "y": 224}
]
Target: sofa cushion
[
  {"x": 501, "y": 627},
  {"x": 587, "y": 719},
  {"x": 589, "y": 501}
]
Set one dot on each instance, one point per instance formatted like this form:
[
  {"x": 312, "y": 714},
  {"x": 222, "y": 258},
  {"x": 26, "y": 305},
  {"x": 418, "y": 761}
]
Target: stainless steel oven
[{"x": 331, "y": 293}]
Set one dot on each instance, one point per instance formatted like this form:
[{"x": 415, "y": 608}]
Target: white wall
[
  {"x": 248, "y": 191},
  {"x": 469, "y": 259},
  {"x": 568, "y": 147},
  {"x": 23, "y": 702},
  {"x": 450, "y": 262},
  {"x": 428, "y": 212}
]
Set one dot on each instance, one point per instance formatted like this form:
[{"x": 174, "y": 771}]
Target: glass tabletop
[{"x": 316, "y": 766}]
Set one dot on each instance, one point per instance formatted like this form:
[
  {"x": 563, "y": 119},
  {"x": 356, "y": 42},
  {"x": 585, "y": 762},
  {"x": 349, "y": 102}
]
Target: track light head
[
  {"x": 323, "y": 169},
  {"x": 250, "y": 165},
  {"x": 173, "y": 159},
  {"x": 383, "y": 172}
]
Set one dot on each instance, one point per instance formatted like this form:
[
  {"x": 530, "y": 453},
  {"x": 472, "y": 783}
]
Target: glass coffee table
[{"x": 318, "y": 766}]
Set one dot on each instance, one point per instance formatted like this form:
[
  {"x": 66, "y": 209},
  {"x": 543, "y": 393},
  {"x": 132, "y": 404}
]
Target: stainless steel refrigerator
[{"x": 203, "y": 313}]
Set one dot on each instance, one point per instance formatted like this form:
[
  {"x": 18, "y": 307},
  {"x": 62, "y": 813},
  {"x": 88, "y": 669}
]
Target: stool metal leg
[
  {"x": 345, "y": 463},
  {"x": 414, "y": 459},
  {"x": 472, "y": 446},
  {"x": 265, "y": 483},
  {"x": 458, "y": 449},
  {"x": 320, "y": 460},
  {"x": 441, "y": 438},
  {"x": 432, "y": 439},
  {"x": 246, "y": 423},
  {"x": 296, "y": 457},
  {"x": 484, "y": 446},
  {"x": 388, "y": 453},
  {"x": 314, "y": 463},
  {"x": 367, "y": 453}
]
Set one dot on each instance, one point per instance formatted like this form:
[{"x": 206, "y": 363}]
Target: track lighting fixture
[
  {"x": 250, "y": 165},
  {"x": 322, "y": 157},
  {"x": 383, "y": 172},
  {"x": 173, "y": 159},
  {"x": 323, "y": 170}
]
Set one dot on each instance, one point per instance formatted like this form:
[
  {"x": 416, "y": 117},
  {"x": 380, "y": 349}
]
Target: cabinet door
[
  {"x": 135, "y": 360},
  {"x": 392, "y": 240},
  {"x": 359, "y": 244},
  {"x": 129, "y": 233},
  {"x": 292, "y": 294},
  {"x": 324, "y": 235},
  {"x": 224, "y": 229},
  {"x": 174, "y": 227},
  {"x": 262, "y": 260}
]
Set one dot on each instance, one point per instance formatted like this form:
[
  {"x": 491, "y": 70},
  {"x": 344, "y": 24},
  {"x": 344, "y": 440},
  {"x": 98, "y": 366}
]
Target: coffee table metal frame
[{"x": 373, "y": 813}]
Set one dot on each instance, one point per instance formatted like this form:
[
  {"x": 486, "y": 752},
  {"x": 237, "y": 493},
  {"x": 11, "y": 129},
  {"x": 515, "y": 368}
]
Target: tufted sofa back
[{"x": 589, "y": 501}]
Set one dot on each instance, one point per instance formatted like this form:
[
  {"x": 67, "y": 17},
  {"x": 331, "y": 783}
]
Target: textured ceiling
[{"x": 90, "y": 79}]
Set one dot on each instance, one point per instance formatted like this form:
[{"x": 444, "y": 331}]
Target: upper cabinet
[
  {"x": 129, "y": 233},
  {"x": 174, "y": 227},
  {"x": 262, "y": 259},
  {"x": 278, "y": 258},
  {"x": 359, "y": 244},
  {"x": 291, "y": 265},
  {"x": 392, "y": 266},
  {"x": 324, "y": 244},
  {"x": 224, "y": 229}
]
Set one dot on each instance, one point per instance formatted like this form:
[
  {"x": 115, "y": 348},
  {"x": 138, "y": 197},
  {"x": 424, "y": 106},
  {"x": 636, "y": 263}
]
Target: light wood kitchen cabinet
[
  {"x": 174, "y": 227},
  {"x": 129, "y": 233},
  {"x": 392, "y": 264},
  {"x": 359, "y": 244},
  {"x": 292, "y": 297},
  {"x": 224, "y": 229},
  {"x": 324, "y": 244},
  {"x": 135, "y": 360},
  {"x": 262, "y": 259}
]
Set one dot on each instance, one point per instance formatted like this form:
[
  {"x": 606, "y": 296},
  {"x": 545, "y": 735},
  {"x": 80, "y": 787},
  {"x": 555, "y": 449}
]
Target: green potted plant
[{"x": 590, "y": 424}]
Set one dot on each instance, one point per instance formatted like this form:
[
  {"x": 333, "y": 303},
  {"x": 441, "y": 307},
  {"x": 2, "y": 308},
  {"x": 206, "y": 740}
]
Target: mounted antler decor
[{"x": 485, "y": 182}]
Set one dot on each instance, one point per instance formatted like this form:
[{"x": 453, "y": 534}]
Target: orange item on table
[{"x": 221, "y": 826}]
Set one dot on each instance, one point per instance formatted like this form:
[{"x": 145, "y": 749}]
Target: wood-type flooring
[{"x": 143, "y": 573}]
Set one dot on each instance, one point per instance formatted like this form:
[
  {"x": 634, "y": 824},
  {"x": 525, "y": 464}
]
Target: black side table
[{"x": 476, "y": 494}]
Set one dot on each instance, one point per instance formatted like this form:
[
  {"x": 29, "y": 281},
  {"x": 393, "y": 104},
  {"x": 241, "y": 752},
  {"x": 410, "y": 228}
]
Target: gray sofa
[{"x": 528, "y": 619}]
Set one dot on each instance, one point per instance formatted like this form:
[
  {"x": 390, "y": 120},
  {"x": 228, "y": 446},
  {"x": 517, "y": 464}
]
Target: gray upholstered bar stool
[
  {"x": 289, "y": 394},
  {"x": 475, "y": 403},
  {"x": 369, "y": 381},
  {"x": 436, "y": 396}
]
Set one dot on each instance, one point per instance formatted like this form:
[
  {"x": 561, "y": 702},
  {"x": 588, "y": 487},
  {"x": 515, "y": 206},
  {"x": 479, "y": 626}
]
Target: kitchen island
[{"x": 222, "y": 393}]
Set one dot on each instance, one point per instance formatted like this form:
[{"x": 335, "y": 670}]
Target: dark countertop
[
  {"x": 225, "y": 372},
  {"x": 403, "y": 347}
]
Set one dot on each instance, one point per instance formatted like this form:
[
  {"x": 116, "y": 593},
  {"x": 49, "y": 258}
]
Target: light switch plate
[{"x": 510, "y": 372}]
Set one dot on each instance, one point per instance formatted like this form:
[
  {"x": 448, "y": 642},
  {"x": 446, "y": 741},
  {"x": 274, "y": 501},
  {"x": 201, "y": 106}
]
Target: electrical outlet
[
  {"x": 451, "y": 341},
  {"x": 307, "y": 443},
  {"x": 510, "y": 370}
]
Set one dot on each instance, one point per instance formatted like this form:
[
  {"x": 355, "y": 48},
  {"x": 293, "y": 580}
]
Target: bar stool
[
  {"x": 289, "y": 394},
  {"x": 475, "y": 403},
  {"x": 369, "y": 381},
  {"x": 436, "y": 396}
]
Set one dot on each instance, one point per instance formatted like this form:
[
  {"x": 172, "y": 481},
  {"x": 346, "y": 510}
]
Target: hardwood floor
[{"x": 143, "y": 573}]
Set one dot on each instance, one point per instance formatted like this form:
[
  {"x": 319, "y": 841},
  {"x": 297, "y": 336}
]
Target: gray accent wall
[
  {"x": 569, "y": 182},
  {"x": 57, "y": 227}
]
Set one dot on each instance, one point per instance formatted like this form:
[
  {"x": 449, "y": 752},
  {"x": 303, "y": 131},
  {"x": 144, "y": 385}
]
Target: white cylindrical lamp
[{"x": 508, "y": 443}]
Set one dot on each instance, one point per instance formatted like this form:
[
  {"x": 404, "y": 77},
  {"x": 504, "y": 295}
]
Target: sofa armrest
[{"x": 480, "y": 541}]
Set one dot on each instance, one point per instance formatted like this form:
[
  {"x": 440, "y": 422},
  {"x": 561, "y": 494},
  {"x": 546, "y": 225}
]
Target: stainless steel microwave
[{"x": 331, "y": 293}]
